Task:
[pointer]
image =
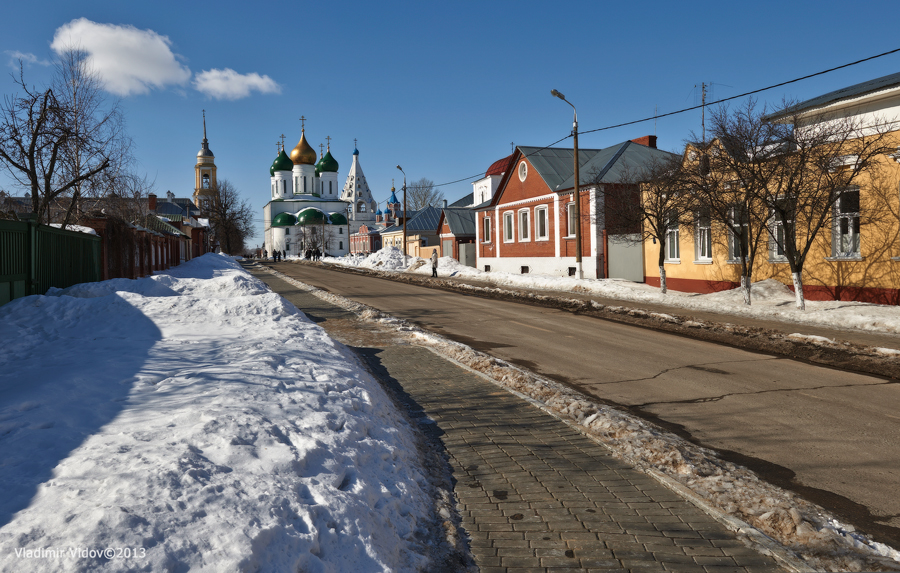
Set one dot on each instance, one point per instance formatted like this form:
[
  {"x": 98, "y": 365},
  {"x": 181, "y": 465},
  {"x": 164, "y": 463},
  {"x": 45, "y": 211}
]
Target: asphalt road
[{"x": 832, "y": 436}]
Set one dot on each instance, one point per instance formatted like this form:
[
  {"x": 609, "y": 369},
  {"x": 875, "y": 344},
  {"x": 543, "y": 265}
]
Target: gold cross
[
  {"x": 282, "y": 142},
  {"x": 302, "y": 122},
  {"x": 354, "y": 143},
  {"x": 329, "y": 142}
]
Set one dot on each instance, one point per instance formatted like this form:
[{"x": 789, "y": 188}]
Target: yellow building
[{"x": 855, "y": 255}]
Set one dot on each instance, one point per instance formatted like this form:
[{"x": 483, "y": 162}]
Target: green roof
[
  {"x": 282, "y": 163},
  {"x": 284, "y": 220},
  {"x": 337, "y": 218},
  {"x": 310, "y": 216},
  {"x": 328, "y": 164}
]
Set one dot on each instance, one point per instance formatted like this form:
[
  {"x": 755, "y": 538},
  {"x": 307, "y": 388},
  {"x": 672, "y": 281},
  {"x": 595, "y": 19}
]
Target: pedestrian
[
  {"x": 283, "y": 255},
  {"x": 434, "y": 259},
  {"x": 265, "y": 254}
]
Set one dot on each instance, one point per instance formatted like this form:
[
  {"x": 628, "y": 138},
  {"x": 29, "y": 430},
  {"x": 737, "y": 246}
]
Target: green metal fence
[{"x": 35, "y": 257}]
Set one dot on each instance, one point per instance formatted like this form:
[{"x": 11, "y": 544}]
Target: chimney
[
  {"x": 647, "y": 140},
  {"x": 445, "y": 203},
  {"x": 151, "y": 202}
]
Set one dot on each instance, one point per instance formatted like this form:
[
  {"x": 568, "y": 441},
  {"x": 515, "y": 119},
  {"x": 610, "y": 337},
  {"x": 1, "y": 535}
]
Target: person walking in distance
[{"x": 434, "y": 259}]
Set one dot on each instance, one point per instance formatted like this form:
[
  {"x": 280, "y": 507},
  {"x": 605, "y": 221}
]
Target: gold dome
[{"x": 303, "y": 154}]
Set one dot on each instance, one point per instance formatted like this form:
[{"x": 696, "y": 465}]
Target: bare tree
[
  {"x": 97, "y": 125},
  {"x": 422, "y": 193},
  {"x": 727, "y": 178},
  {"x": 800, "y": 175},
  {"x": 230, "y": 217},
  {"x": 649, "y": 204},
  {"x": 53, "y": 141}
]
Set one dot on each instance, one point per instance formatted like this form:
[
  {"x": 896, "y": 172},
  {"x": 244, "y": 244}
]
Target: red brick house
[{"x": 528, "y": 226}]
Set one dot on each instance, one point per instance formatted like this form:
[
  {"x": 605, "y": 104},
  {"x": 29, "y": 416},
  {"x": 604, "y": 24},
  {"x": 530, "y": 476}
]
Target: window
[
  {"x": 507, "y": 227},
  {"x": 846, "y": 224},
  {"x": 523, "y": 171},
  {"x": 205, "y": 183},
  {"x": 524, "y": 225},
  {"x": 304, "y": 184},
  {"x": 739, "y": 237},
  {"x": 672, "y": 247},
  {"x": 486, "y": 234},
  {"x": 570, "y": 219},
  {"x": 703, "y": 238},
  {"x": 777, "y": 234},
  {"x": 330, "y": 191},
  {"x": 341, "y": 245},
  {"x": 340, "y": 230},
  {"x": 287, "y": 230},
  {"x": 540, "y": 224}
]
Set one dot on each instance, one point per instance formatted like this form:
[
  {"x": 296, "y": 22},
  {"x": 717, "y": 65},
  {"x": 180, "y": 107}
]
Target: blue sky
[{"x": 440, "y": 88}]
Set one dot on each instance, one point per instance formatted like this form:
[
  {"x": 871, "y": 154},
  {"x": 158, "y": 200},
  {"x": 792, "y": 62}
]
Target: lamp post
[
  {"x": 578, "y": 268},
  {"x": 349, "y": 243},
  {"x": 403, "y": 208}
]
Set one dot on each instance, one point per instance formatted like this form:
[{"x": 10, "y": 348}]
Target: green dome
[
  {"x": 282, "y": 163},
  {"x": 284, "y": 220},
  {"x": 328, "y": 163},
  {"x": 310, "y": 216},
  {"x": 337, "y": 219}
]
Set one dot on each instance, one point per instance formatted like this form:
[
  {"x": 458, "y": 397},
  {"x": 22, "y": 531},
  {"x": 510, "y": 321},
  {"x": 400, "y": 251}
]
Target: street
[{"x": 832, "y": 436}]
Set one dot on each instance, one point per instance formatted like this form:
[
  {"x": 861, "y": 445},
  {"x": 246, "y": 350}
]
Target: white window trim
[
  {"x": 676, "y": 229},
  {"x": 836, "y": 254},
  {"x": 524, "y": 228},
  {"x": 537, "y": 236},
  {"x": 699, "y": 258},
  {"x": 731, "y": 240},
  {"x": 511, "y": 217},
  {"x": 486, "y": 230},
  {"x": 570, "y": 213}
]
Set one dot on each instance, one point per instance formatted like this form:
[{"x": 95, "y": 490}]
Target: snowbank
[
  {"x": 195, "y": 420},
  {"x": 770, "y": 298}
]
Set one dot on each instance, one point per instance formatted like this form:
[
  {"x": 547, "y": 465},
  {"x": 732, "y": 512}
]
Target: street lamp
[
  {"x": 404, "y": 213},
  {"x": 349, "y": 243},
  {"x": 578, "y": 268}
]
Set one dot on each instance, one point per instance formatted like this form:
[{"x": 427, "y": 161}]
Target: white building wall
[{"x": 551, "y": 266}]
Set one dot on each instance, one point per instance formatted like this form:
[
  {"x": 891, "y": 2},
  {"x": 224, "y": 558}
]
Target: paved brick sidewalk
[{"x": 535, "y": 494}]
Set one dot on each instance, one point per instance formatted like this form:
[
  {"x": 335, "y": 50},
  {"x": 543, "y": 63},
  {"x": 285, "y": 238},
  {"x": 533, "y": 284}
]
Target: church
[{"x": 306, "y": 210}]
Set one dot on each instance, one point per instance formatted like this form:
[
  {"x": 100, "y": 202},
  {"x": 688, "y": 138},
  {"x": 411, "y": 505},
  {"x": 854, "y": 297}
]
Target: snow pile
[
  {"x": 195, "y": 420},
  {"x": 820, "y": 539},
  {"x": 771, "y": 299},
  {"x": 76, "y": 228}
]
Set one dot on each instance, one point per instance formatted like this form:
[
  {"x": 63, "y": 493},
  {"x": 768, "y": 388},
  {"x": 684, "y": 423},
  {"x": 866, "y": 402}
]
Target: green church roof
[
  {"x": 328, "y": 164},
  {"x": 337, "y": 219},
  {"x": 310, "y": 216},
  {"x": 284, "y": 220},
  {"x": 282, "y": 163}
]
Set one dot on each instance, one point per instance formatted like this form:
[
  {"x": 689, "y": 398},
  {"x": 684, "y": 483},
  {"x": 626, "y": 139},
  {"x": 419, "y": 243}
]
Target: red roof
[{"x": 499, "y": 167}]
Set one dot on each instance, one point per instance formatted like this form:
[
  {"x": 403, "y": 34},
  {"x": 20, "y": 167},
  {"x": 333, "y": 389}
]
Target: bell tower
[{"x": 204, "y": 174}]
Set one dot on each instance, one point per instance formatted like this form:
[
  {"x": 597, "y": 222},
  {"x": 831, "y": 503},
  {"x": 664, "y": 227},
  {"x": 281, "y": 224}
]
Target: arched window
[
  {"x": 205, "y": 181},
  {"x": 360, "y": 207}
]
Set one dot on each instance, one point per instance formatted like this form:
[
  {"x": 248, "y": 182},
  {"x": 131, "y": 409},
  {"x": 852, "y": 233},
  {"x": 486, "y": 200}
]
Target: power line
[
  {"x": 744, "y": 94},
  {"x": 655, "y": 117}
]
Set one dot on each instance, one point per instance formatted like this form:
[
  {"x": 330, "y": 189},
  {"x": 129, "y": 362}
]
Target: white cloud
[
  {"x": 228, "y": 84},
  {"x": 130, "y": 61},
  {"x": 15, "y": 56}
]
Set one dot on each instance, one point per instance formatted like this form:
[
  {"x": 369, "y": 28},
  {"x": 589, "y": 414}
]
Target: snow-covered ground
[
  {"x": 195, "y": 420},
  {"x": 770, "y": 298}
]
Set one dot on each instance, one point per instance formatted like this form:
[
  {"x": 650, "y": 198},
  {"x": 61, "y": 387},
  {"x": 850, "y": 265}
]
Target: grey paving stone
[{"x": 511, "y": 459}]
